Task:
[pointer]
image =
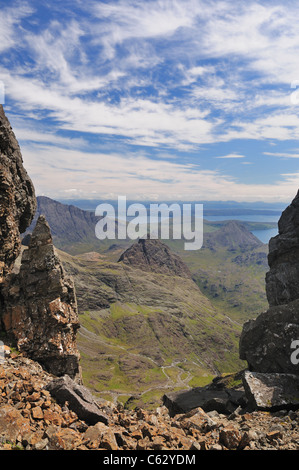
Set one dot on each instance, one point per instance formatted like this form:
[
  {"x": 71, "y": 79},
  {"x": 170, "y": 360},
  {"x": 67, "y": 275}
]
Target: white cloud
[
  {"x": 9, "y": 21},
  {"x": 84, "y": 175},
  {"x": 282, "y": 155},
  {"x": 232, "y": 155},
  {"x": 170, "y": 74}
]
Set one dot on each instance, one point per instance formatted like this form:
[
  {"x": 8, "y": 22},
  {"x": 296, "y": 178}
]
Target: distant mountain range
[
  {"x": 210, "y": 207},
  {"x": 230, "y": 268}
]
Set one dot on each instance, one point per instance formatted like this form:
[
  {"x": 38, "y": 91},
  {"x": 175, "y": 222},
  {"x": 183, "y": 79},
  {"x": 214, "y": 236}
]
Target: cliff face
[
  {"x": 282, "y": 279},
  {"x": 17, "y": 197},
  {"x": 267, "y": 343},
  {"x": 38, "y": 308},
  {"x": 68, "y": 223}
]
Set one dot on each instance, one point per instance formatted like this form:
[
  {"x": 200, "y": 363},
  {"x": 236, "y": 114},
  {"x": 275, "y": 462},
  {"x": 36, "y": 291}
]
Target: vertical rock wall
[
  {"x": 17, "y": 197},
  {"x": 38, "y": 308},
  {"x": 267, "y": 343}
]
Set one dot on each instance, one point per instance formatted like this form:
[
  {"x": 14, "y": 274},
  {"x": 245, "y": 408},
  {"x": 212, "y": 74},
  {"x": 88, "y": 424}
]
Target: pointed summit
[
  {"x": 233, "y": 235},
  {"x": 41, "y": 307},
  {"x": 154, "y": 256},
  {"x": 41, "y": 234}
]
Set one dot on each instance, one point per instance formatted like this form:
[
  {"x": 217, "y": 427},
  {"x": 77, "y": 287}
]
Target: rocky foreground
[{"x": 32, "y": 419}]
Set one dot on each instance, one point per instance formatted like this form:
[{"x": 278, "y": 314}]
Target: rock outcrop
[
  {"x": 270, "y": 343},
  {"x": 17, "y": 197},
  {"x": 282, "y": 284},
  {"x": 40, "y": 306},
  {"x": 266, "y": 342},
  {"x": 154, "y": 256}
]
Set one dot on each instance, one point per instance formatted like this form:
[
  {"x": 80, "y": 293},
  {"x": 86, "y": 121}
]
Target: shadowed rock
[
  {"x": 79, "y": 399},
  {"x": 213, "y": 397},
  {"x": 282, "y": 284},
  {"x": 17, "y": 197},
  {"x": 267, "y": 343}
]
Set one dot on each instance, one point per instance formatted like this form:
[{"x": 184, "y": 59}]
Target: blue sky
[{"x": 154, "y": 100}]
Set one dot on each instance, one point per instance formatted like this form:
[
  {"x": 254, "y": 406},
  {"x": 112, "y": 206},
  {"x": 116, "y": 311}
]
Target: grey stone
[
  {"x": 271, "y": 391},
  {"x": 79, "y": 399},
  {"x": 265, "y": 342},
  {"x": 282, "y": 284},
  {"x": 222, "y": 401}
]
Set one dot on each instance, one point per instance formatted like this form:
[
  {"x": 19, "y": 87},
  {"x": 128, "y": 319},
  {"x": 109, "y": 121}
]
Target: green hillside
[{"x": 145, "y": 332}]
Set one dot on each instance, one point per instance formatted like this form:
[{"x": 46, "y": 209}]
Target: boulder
[
  {"x": 79, "y": 399},
  {"x": 214, "y": 397},
  {"x": 266, "y": 343},
  {"x": 271, "y": 391}
]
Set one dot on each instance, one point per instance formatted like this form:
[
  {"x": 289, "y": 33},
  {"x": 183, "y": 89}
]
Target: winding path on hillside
[{"x": 171, "y": 384}]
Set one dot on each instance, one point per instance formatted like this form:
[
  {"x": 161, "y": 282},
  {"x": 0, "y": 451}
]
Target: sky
[{"x": 183, "y": 100}]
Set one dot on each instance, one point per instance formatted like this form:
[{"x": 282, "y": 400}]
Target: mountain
[
  {"x": 152, "y": 329},
  {"x": 154, "y": 256},
  {"x": 230, "y": 268},
  {"x": 144, "y": 331},
  {"x": 233, "y": 236},
  {"x": 71, "y": 227}
]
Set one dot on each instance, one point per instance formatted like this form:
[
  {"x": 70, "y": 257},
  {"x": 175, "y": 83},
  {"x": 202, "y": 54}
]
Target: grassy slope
[
  {"x": 153, "y": 332},
  {"x": 133, "y": 341}
]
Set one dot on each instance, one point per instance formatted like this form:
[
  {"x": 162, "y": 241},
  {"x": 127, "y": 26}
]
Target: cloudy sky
[{"x": 156, "y": 99}]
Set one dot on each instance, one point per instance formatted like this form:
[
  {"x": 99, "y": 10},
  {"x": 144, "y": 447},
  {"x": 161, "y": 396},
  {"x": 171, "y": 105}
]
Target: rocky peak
[
  {"x": 154, "y": 256},
  {"x": 17, "y": 197},
  {"x": 40, "y": 306}
]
